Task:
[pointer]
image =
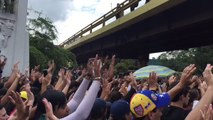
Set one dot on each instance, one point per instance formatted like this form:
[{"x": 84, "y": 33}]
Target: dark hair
[
  {"x": 115, "y": 95},
  {"x": 37, "y": 84},
  {"x": 183, "y": 92},
  {"x": 56, "y": 98},
  {"x": 53, "y": 80},
  {"x": 1, "y": 85},
  {"x": 3, "y": 91},
  {"x": 1, "y": 106},
  {"x": 9, "y": 107},
  {"x": 193, "y": 95},
  {"x": 36, "y": 93},
  {"x": 74, "y": 84},
  {"x": 119, "y": 109},
  {"x": 120, "y": 118},
  {"x": 115, "y": 84},
  {"x": 98, "y": 109}
]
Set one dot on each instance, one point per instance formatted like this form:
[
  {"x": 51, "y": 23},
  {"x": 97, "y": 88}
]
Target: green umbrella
[{"x": 160, "y": 70}]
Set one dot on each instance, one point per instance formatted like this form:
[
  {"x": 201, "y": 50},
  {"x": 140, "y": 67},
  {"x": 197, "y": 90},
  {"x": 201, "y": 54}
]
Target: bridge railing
[{"x": 100, "y": 21}]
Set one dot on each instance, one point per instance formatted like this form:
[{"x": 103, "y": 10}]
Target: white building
[{"x": 14, "y": 38}]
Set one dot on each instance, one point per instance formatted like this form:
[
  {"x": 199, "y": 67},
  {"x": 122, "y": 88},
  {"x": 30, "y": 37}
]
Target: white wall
[{"x": 18, "y": 44}]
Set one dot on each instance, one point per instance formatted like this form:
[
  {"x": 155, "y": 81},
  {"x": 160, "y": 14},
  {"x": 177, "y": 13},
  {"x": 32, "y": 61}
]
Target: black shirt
[{"x": 174, "y": 113}]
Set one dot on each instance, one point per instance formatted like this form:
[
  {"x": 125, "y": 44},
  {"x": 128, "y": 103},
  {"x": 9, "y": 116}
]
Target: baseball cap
[
  {"x": 119, "y": 108},
  {"x": 23, "y": 94},
  {"x": 145, "y": 101}
]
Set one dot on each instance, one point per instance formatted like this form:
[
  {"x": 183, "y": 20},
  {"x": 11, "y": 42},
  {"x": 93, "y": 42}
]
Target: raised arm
[
  {"x": 12, "y": 76},
  {"x": 207, "y": 99},
  {"x": 68, "y": 80},
  {"x": 87, "y": 102},
  {"x": 45, "y": 81},
  {"x": 184, "y": 80},
  {"x": 13, "y": 87},
  {"x": 2, "y": 64},
  {"x": 89, "y": 99},
  {"x": 78, "y": 96},
  {"x": 23, "y": 109},
  {"x": 80, "y": 93},
  {"x": 64, "y": 83},
  {"x": 80, "y": 113},
  {"x": 60, "y": 79}
]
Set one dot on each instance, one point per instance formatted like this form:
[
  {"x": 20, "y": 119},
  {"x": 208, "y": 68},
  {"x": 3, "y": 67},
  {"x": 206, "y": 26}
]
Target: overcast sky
[{"x": 70, "y": 16}]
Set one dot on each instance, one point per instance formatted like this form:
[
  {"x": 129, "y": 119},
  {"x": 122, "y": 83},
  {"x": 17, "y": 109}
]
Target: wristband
[{"x": 97, "y": 78}]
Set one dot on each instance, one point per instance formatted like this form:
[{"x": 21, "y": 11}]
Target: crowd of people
[{"x": 94, "y": 93}]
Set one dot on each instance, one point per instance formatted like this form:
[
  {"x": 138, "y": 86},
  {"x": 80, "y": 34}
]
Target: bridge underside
[{"x": 187, "y": 25}]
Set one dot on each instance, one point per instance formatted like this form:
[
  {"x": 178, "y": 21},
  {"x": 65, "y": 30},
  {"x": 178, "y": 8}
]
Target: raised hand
[
  {"x": 164, "y": 87},
  {"x": 106, "y": 89},
  {"x": 97, "y": 67},
  {"x": 84, "y": 72},
  {"x": 18, "y": 75},
  {"x": 123, "y": 90},
  {"x": 207, "y": 113},
  {"x": 133, "y": 81},
  {"x": 36, "y": 68},
  {"x": 195, "y": 80},
  {"x": 41, "y": 79},
  {"x": 23, "y": 109},
  {"x": 61, "y": 72},
  {"x": 48, "y": 78},
  {"x": 15, "y": 67},
  {"x": 26, "y": 71},
  {"x": 172, "y": 79},
  {"x": 49, "y": 110},
  {"x": 35, "y": 74},
  {"x": 186, "y": 75},
  {"x": 152, "y": 81},
  {"x": 207, "y": 75},
  {"x": 3, "y": 62},
  {"x": 105, "y": 60},
  {"x": 30, "y": 97},
  {"x": 90, "y": 68},
  {"x": 202, "y": 87},
  {"x": 152, "y": 78},
  {"x": 206, "y": 99},
  {"x": 105, "y": 74},
  {"x": 68, "y": 77},
  {"x": 111, "y": 68},
  {"x": 51, "y": 65}
]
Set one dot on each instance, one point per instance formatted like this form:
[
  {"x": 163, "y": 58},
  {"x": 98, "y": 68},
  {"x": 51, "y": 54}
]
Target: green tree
[
  {"x": 42, "y": 28},
  {"x": 178, "y": 60},
  {"x": 125, "y": 65},
  {"x": 34, "y": 55},
  {"x": 42, "y": 33}
]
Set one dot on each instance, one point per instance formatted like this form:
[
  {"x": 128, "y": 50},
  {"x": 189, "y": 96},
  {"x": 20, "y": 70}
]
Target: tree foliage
[
  {"x": 125, "y": 65},
  {"x": 42, "y": 33},
  {"x": 42, "y": 28},
  {"x": 34, "y": 55},
  {"x": 178, "y": 60}
]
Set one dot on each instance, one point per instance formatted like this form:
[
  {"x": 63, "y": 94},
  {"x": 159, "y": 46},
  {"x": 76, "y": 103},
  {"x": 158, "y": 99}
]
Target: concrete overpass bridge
[{"x": 159, "y": 25}]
